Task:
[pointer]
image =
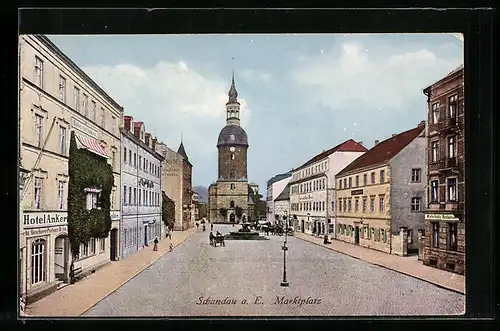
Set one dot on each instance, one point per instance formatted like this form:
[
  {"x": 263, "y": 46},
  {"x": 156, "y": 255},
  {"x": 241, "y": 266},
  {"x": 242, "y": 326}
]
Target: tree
[
  {"x": 167, "y": 211},
  {"x": 223, "y": 212},
  {"x": 87, "y": 170},
  {"x": 238, "y": 211}
]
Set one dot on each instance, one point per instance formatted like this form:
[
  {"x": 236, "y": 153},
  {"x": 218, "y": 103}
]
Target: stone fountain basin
[{"x": 244, "y": 236}]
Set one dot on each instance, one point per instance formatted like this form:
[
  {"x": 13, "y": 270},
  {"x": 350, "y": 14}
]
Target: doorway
[
  {"x": 113, "y": 245},
  {"x": 356, "y": 235},
  {"x": 232, "y": 218},
  {"x": 61, "y": 258},
  {"x": 145, "y": 235},
  {"x": 302, "y": 227}
]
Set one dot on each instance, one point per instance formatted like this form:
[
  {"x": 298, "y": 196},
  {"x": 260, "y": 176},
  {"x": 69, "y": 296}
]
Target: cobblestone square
[{"x": 243, "y": 279}]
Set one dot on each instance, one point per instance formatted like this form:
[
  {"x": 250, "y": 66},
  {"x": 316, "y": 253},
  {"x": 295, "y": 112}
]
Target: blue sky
[{"x": 300, "y": 94}]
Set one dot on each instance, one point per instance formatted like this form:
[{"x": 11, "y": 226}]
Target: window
[
  {"x": 381, "y": 203},
  {"x": 435, "y": 113},
  {"x": 340, "y": 205},
  {"x": 125, "y": 154},
  {"x": 231, "y": 204},
  {"x": 452, "y": 189},
  {"x": 232, "y": 156},
  {"x": 125, "y": 195},
  {"x": 103, "y": 118},
  {"x": 452, "y": 228},
  {"x": 38, "y": 72},
  {"x": 60, "y": 196},
  {"x": 85, "y": 105},
  {"x": 38, "y": 261},
  {"x": 144, "y": 200},
  {"x": 364, "y": 204},
  {"x": 356, "y": 205},
  {"x": 130, "y": 196},
  {"x": 135, "y": 160},
  {"x": 38, "y": 130},
  {"x": 350, "y": 182},
  {"x": 135, "y": 196},
  {"x": 372, "y": 175},
  {"x": 113, "y": 158},
  {"x": 416, "y": 203},
  {"x": 62, "y": 140},
  {"x": 140, "y": 162},
  {"x": 349, "y": 205},
  {"x": 364, "y": 179},
  {"x": 92, "y": 246},
  {"x": 340, "y": 184},
  {"x": 232, "y": 186},
  {"x": 435, "y": 234},
  {"x": 372, "y": 204},
  {"x": 140, "y": 197},
  {"x": 102, "y": 241},
  {"x": 434, "y": 190},
  {"x": 150, "y": 198},
  {"x": 357, "y": 181},
  {"x": 435, "y": 151},
  {"x": 37, "y": 202},
  {"x": 113, "y": 124},
  {"x": 94, "y": 111},
  {"x": 92, "y": 199},
  {"x": 130, "y": 157},
  {"x": 452, "y": 106},
  {"x": 62, "y": 88},
  {"x": 382, "y": 176},
  {"x": 415, "y": 175},
  {"x": 323, "y": 205},
  {"x": 76, "y": 98},
  {"x": 451, "y": 147}
]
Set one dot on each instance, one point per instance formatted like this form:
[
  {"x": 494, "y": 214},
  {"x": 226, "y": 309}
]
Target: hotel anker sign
[{"x": 41, "y": 219}]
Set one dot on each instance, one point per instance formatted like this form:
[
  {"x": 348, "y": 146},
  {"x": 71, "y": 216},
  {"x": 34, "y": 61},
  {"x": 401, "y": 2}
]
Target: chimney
[
  {"x": 360, "y": 142},
  {"x": 153, "y": 143},
  {"x": 376, "y": 142},
  {"x": 422, "y": 123},
  {"x": 128, "y": 120},
  {"x": 394, "y": 134},
  {"x": 137, "y": 129},
  {"x": 146, "y": 138}
]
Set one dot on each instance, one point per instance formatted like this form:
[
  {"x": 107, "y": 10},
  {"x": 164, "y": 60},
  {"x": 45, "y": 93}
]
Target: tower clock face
[{"x": 232, "y": 149}]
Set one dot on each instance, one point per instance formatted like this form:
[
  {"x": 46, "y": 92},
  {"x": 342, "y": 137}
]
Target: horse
[
  {"x": 219, "y": 240},
  {"x": 211, "y": 238}
]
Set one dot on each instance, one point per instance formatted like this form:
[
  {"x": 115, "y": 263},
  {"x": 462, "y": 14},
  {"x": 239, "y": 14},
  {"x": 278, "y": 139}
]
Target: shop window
[
  {"x": 38, "y": 271},
  {"x": 435, "y": 234}
]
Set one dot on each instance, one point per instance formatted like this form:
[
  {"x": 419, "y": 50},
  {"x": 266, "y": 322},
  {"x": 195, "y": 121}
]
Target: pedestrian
[
  {"x": 171, "y": 247},
  {"x": 170, "y": 235},
  {"x": 155, "y": 246},
  {"x": 211, "y": 226},
  {"x": 197, "y": 226}
]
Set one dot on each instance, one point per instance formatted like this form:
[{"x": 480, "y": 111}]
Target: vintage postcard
[{"x": 241, "y": 175}]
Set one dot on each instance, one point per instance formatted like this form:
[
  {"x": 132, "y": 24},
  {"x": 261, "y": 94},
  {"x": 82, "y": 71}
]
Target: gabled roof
[
  {"x": 278, "y": 177},
  {"x": 385, "y": 150},
  {"x": 285, "y": 194},
  {"x": 347, "y": 146}
]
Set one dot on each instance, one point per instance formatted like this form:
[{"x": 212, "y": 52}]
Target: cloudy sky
[{"x": 300, "y": 94}]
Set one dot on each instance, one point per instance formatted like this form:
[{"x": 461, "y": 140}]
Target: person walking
[
  {"x": 155, "y": 247},
  {"x": 211, "y": 226},
  {"x": 197, "y": 226}
]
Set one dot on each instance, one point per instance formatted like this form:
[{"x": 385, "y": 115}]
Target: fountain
[{"x": 245, "y": 233}]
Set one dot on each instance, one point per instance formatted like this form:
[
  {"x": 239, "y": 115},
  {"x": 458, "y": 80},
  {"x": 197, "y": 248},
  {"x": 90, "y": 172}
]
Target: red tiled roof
[
  {"x": 347, "y": 146},
  {"x": 385, "y": 150}
]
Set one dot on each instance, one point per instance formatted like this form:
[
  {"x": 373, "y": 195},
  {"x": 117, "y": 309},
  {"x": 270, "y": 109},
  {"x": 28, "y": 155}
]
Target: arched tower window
[
  {"x": 231, "y": 204},
  {"x": 38, "y": 261},
  {"x": 231, "y": 174},
  {"x": 232, "y": 156},
  {"x": 232, "y": 186}
]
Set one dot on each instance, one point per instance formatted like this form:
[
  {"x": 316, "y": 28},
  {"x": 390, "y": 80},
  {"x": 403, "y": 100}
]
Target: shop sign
[
  {"x": 115, "y": 215},
  {"x": 44, "y": 219},
  {"x": 84, "y": 127},
  {"x": 42, "y": 231},
  {"x": 441, "y": 217},
  {"x": 306, "y": 197},
  {"x": 357, "y": 192}
]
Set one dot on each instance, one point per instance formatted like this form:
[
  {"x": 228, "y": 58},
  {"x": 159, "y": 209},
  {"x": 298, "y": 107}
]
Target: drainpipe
[
  {"x": 327, "y": 226},
  {"x": 137, "y": 204}
]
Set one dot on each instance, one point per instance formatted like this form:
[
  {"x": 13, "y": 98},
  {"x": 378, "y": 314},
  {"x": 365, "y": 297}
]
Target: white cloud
[
  {"x": 171, "y": 98},
  {"x": 254, "y": 76},
  {"x": 357, "y": 78}
]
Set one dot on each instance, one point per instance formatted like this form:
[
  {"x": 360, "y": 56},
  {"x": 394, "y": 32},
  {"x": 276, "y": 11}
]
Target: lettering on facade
[
  {"x": 41, "y": 219},
  {"x": 41, "y": 231},
  {"x": 306, "y": 197},
  {"x": 84, "y": 127},
  {"x": 357, "y": 192},
  {"x": 114, "y": 215},
  {"x": 441, "y": 217}
]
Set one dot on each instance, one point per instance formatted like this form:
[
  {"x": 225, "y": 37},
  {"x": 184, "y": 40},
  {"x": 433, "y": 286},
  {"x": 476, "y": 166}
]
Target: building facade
[
  {"x": 282, "y": 204},
  {"x": 312, "y": 191},
  {"x": 56, "y": 99},
  {"x": 381, "y": 195},
  {"x": 177, "y": 183},
  {"x": 141, "y": 188},
  {"x": 230, "y": 191},
  {"x": 275, "y": 186},
  {"x": 444, "y": 231}
]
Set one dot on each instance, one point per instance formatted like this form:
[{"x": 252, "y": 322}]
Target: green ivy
[
  {"x": 167, "y": 211},
  {"x": 238, "y": 211},
  {"x": 87, "y": 170}
]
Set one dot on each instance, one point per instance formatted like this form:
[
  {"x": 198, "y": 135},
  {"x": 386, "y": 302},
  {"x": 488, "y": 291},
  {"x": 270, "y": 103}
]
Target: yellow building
[
  {"x": 380, "y": 195},
  {"x": 56, "y": 97}
]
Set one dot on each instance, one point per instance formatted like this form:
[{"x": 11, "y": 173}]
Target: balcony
[
  {"x": 448, "y": 163},
  {"x": 449, "y": 123},
  {"x": 451, "y": 206}
]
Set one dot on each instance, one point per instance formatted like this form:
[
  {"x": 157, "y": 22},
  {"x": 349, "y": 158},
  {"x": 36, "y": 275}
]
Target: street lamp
[
  {"x": 284, "y": 283},
  {"x": 308, "y": 214}
]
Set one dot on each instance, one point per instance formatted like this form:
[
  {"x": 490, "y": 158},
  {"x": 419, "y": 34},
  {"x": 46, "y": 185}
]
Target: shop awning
[{"x": 91, "y": 145}]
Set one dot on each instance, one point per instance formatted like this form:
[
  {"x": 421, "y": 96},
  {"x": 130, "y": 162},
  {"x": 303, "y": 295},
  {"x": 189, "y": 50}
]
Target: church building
[{"x": 229, "y": 199}]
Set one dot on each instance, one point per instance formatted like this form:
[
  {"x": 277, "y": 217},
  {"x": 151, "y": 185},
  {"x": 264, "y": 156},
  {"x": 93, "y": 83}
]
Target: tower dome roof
[{"x": 232, "y": 135}]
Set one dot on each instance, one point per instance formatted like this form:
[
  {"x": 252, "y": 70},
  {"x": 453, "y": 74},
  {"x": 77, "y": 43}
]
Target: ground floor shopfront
[
  {"x": 45, "y": 254},
  {"x": 139, "y": 231},
  {"x": 444, "y": 242},
  {"x": 314, "y": 225}
]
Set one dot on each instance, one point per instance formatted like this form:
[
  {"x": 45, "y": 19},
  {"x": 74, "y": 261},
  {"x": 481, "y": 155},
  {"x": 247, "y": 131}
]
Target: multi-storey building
[
  {"x": 195, "y": 211},
  {"x": 56, "y": 98},
  {"x": 381, "y": 195},
  {"x": 282, "y": 204},
  {"x": 177, "y": 184},
  {"x": 444, "y": 232},
  {"x": 312, "y": 191},
  {"x": 275, "y": 186},
  {"x": 141, "y": 188}
]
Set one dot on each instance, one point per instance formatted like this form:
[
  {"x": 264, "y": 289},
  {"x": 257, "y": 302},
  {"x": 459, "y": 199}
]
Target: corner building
[
  {"x": 55, "y": 98},
  {"x": 444, "y": 231},
  {"x": 231, "y": 189}
]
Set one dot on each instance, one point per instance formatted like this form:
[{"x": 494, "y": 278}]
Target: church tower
[{"x": 231, "y": 189}]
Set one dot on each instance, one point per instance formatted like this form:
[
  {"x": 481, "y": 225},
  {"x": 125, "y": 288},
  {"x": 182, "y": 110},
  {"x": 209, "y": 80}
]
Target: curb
[
  {"x": 135, "y": 275},
  {"x": 388, "y": 268}
]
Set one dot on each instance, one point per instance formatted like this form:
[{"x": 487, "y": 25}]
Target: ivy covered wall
[{"x": 87, "y": 170}]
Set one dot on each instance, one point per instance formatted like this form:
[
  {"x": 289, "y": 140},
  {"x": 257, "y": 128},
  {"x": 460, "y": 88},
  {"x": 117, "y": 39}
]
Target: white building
[
  {"x": 312, "y": 191},
  {"x": 57, "y": 98},
  {"x": 275, "y": 186},
  {"x": 282, "y": 203},
  {"x": 141, "y": 188}
]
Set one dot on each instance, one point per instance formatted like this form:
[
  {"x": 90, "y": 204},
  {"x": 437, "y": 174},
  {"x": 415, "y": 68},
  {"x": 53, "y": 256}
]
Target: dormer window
[{"x": 142, "y": 135}]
